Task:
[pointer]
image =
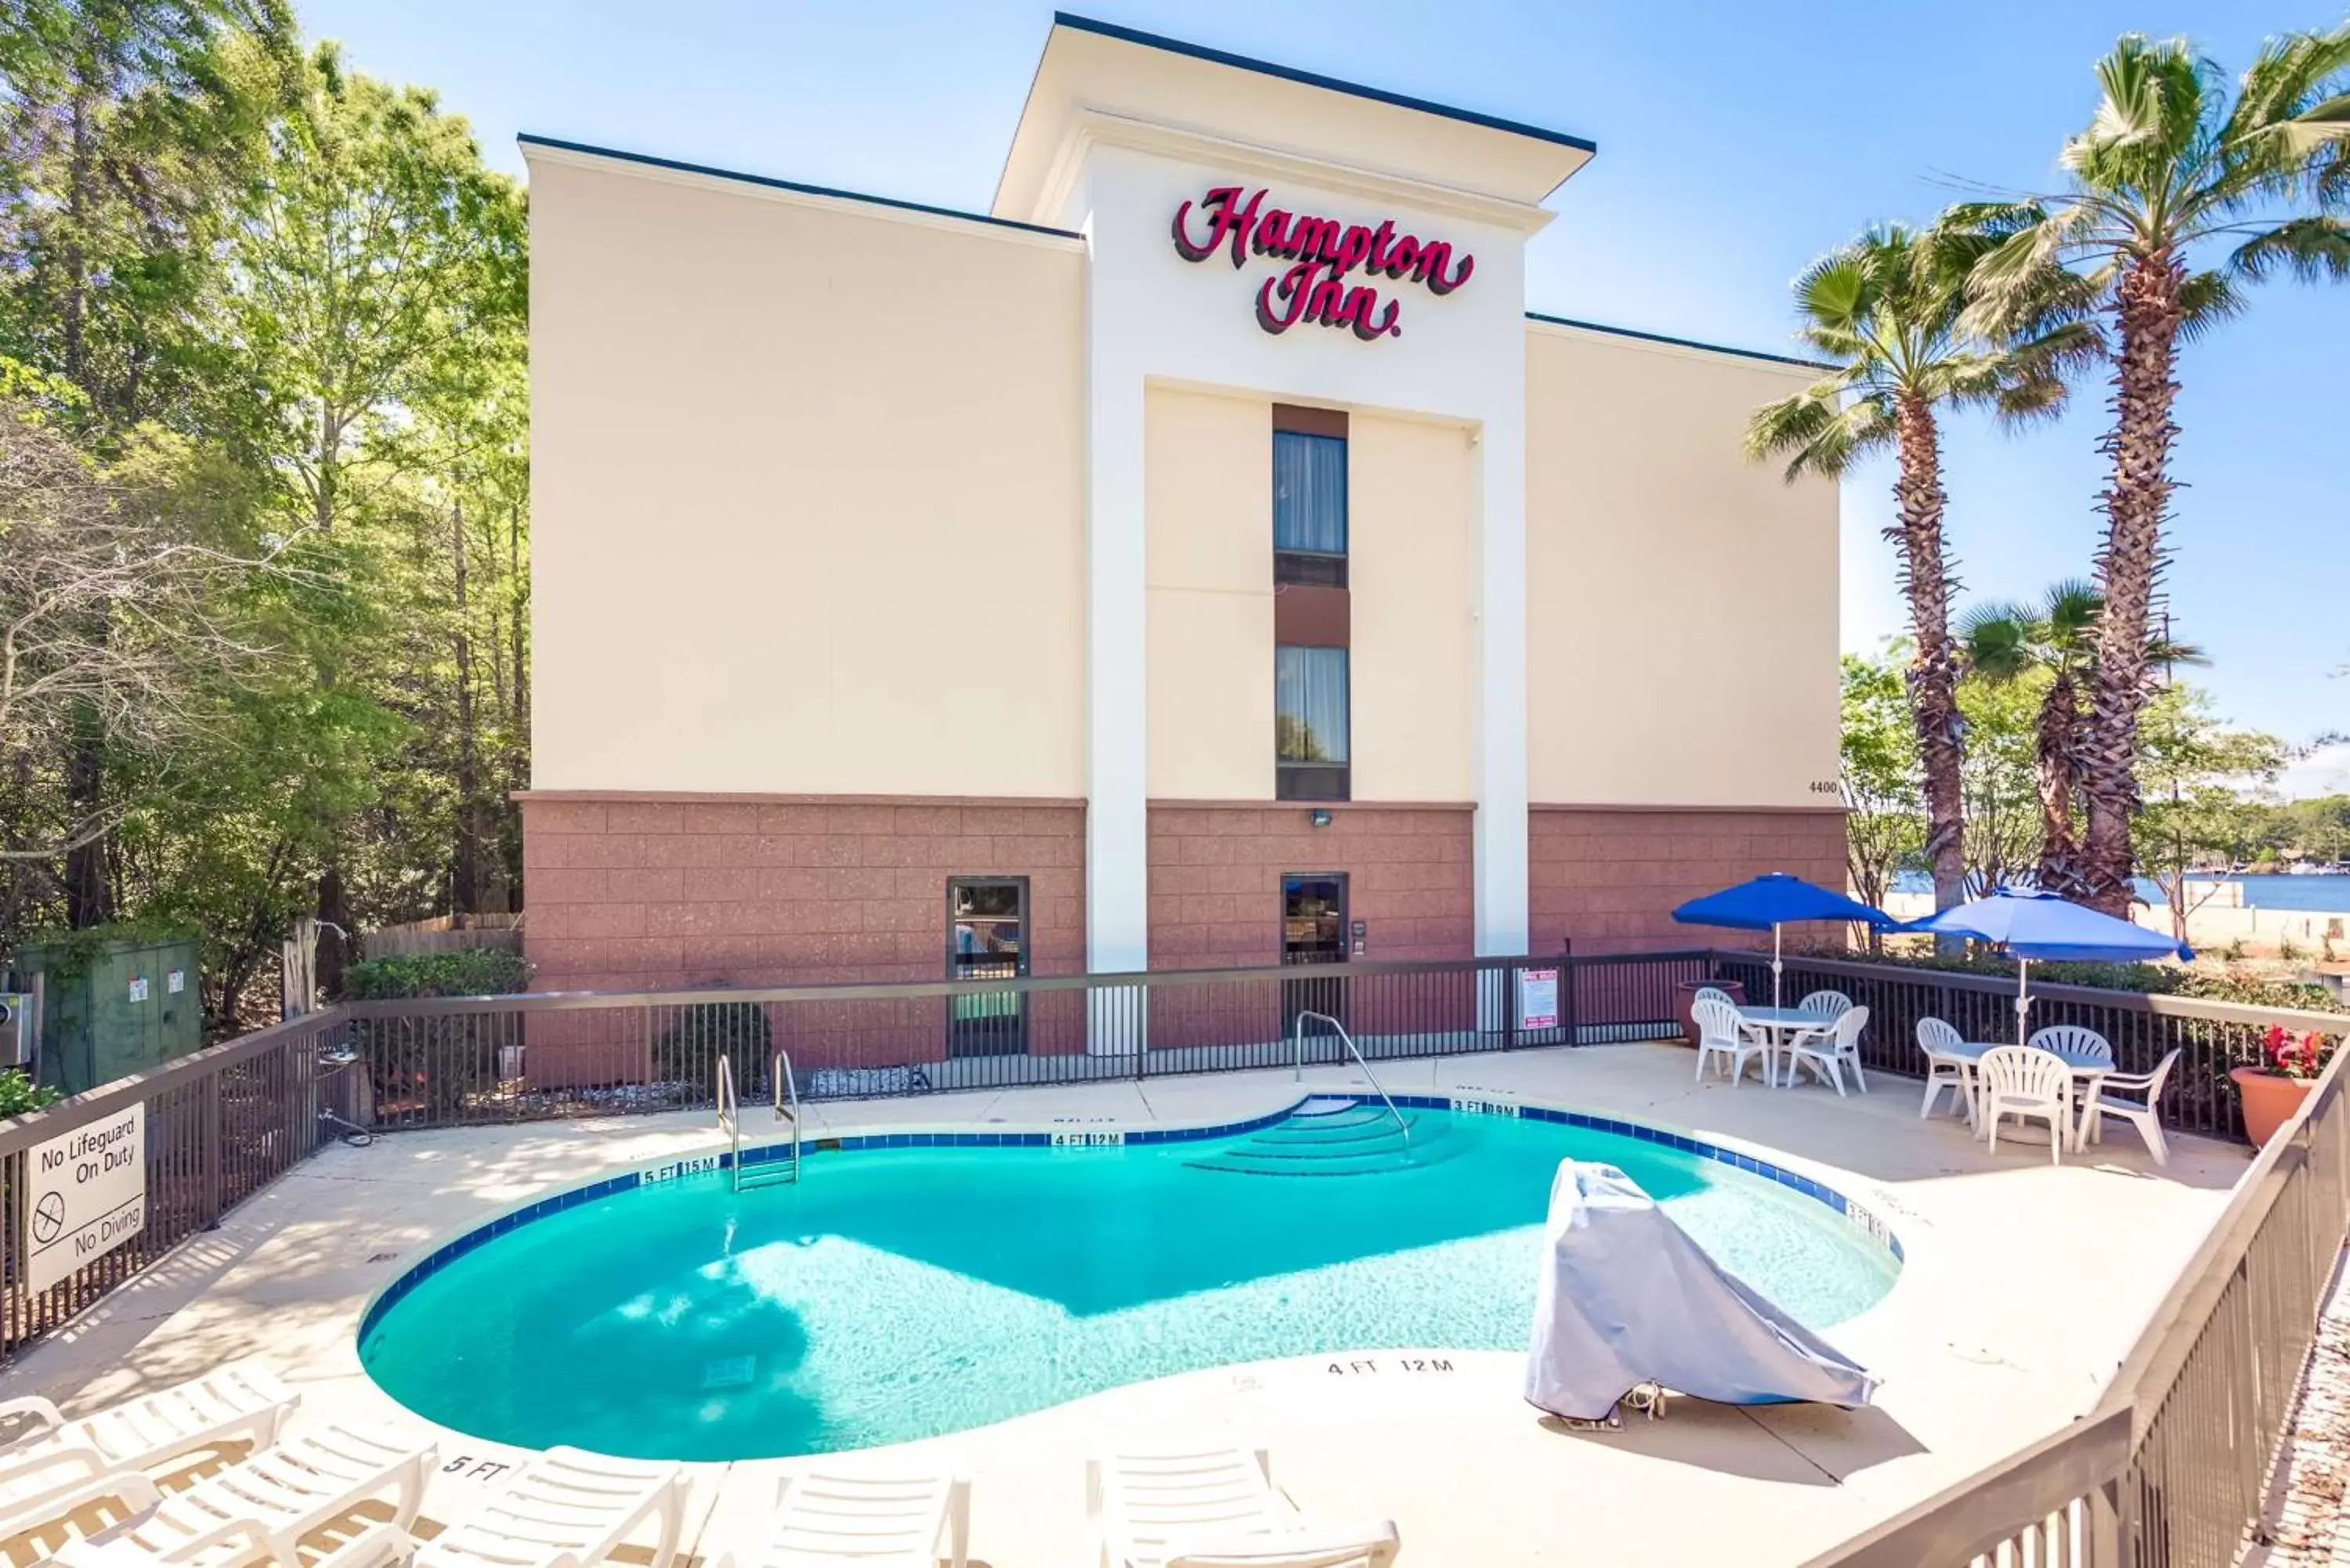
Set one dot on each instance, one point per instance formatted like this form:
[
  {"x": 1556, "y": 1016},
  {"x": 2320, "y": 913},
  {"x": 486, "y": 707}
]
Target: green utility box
[{"x": 110, "y": 1008}]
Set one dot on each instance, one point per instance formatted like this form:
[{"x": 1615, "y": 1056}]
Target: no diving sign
[{"x": 86, "y": 1194}]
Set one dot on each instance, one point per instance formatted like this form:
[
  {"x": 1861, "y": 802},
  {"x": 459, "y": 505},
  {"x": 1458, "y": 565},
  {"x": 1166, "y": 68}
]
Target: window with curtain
[
  {"x": 1309, "y": 705},
  {"x": 1309, "y": 508}
]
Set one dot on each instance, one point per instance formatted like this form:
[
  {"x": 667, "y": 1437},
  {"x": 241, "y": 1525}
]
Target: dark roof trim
[
  {"x": 1677, "y": 342},
  {"x": 527, "y": 140},
  {"x": 1311, "y": 79}
]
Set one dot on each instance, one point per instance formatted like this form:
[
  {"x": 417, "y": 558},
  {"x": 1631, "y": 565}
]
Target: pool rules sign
[{"x": 85, "y": 1194}]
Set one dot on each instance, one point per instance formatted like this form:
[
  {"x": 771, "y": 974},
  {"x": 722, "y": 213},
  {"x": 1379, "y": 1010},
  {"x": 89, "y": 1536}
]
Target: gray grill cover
[{"x": 1627, "y": 1298}]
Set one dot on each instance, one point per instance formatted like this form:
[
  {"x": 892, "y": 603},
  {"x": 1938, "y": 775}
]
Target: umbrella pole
[
  {"x": 1775, "y": 965},
  {"x": 2022, "y": 998}
]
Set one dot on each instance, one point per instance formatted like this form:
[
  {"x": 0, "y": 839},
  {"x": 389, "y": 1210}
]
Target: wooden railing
[{"x": 2169, "y": 1469}]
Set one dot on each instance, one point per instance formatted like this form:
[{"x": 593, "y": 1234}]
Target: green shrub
[
  {"x": 19, "y": 1094},
  {"x": 686, "y": 1052},
  {"x": 2151, "y": 978},
  {"x": 461, "y": 972}
]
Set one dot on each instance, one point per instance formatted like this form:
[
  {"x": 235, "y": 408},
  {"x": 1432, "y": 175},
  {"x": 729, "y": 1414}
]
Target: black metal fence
[
  {"x": 459, "y": 1061},
  {"x": 2210, "y": 1036}
]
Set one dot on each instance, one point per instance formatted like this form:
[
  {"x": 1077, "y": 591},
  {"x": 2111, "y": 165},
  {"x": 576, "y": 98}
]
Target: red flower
[{"x": 2295, "y": 1055}]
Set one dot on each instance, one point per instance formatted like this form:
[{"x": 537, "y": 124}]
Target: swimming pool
[{"x": 907, "y": 1292}]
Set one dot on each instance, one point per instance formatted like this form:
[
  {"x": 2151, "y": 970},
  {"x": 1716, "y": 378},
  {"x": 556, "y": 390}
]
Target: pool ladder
[
  {"x": 1297, "y": 1043},
  {"x": 769, "y": 1173}
]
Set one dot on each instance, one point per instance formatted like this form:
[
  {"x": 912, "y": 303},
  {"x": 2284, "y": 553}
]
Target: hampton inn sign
[{"x": 1322, "y": 251}]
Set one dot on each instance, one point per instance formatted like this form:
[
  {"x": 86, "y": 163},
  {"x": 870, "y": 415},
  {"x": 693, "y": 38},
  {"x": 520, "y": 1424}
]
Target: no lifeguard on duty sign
[{"x": 86, "y": 1194}]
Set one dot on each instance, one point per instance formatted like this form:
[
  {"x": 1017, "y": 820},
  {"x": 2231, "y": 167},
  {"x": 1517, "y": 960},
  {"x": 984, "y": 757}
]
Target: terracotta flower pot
[
  {"x": 2270, "y": 1099},
  {"x": 1686, "y": 993}
]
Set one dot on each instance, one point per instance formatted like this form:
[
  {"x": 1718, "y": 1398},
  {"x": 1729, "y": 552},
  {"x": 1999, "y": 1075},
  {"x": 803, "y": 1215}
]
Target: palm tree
[
  {"x": 2169, "y": 168},
  {"x": 2004, "y": 642},
  {"x": 1885, "y": 313}
]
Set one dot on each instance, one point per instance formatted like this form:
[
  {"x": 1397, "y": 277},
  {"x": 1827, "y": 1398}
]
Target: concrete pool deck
[{"x": 2024, "y": 1285}]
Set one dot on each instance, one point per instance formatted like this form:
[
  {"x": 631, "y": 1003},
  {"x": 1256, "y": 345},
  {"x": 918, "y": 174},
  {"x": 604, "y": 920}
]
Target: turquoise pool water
[{"x": 902, "y": 1293}]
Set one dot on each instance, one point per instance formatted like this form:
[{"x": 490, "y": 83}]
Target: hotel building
[{"x": 1204, "y": 557}]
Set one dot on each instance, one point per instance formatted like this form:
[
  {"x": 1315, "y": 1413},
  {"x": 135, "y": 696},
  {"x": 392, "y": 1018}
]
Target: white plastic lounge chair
[
  {"x": 2132, "y": 1096},
  {"x": 2026, "y": 1083},
  {"x": 1213, "y": 1506},
  {"x": 1710, "y": 994},
  {"x": 565, "y": 1508},
  {"x": 1828, "y": 1055},
  {"x": 237, "y": 1544},
  {"x": 1720, "y": 1032},
  {"x": 1343, "y": 1547},
  {"x": 258, "y": 1510},
  {"x": 51, "y": 1456},
  {"x": 825, "y": 1519}
]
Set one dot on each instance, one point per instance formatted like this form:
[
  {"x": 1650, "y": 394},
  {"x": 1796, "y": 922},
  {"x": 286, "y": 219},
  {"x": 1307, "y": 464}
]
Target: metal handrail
[
  {"x": 730, "y": 1119},
  {"x": 1298, "y": 1035},
  {"x": 787, "y": 1089}
]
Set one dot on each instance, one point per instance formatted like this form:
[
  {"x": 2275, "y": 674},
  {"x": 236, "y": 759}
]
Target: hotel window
[
  {"x": 1309, "y": 723},
  {"x": 1309, "y": 508}
]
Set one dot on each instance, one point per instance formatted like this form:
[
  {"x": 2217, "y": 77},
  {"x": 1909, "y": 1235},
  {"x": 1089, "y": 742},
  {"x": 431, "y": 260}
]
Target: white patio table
[
  {"x": 2088, "y": 1072},
  {"x": 1780, "y": 1023}
]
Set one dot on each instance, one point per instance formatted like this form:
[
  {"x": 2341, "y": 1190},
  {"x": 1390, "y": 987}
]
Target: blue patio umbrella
[
  {"x": 1770, "y": 901},
  {"x": 2031, "y": 924}
]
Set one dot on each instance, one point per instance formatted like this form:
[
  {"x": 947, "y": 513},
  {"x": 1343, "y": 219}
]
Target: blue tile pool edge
[{"x": 1091, "y": 1136}]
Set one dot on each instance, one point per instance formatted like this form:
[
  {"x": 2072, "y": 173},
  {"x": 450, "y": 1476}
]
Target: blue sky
[{"x": 1737, "y": 139}]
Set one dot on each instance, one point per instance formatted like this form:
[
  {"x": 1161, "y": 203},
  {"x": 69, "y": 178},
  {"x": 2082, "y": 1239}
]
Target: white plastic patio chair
[
  {"x": 1213, "y": 1506},
  {"x": 2071, "y": 1040},
  {"x": 825, "y": 1519},
  {"x": 51, "y": 1456},
  {"x": 565, "y": 1508},
  {"x": 1945, "y": 1067},
  {"x": 2077, "y": 1045},
  {"x": 1721, "y": 1032},
  {"x": 2029, "y": 1083},
  {"x": 1825, "y": 1005},
  {"x": 1828, "y": 1055},
  {"x": 2133, "y": 1096},
  {"x": 258, "y": 1510}
]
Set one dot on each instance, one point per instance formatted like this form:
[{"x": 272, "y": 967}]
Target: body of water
[
  {"x": 2327, "y": 891},
  {"x": 902, "y": 1294}
]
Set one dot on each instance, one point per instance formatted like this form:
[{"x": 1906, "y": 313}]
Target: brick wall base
[
  {"x": 630, "y": 892},
  {"x": 1216, "y": 871},
  {"x": 642, "y": 893},
  {"x": 1608, "y": 877}
]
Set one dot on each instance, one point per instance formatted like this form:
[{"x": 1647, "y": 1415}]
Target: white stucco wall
[
  {"x": 1209, "y": 583},
  {"x": 1682, "y": 645},
  {"x": 1412, "y": 569},
  {"x": 806, "y": 512}
]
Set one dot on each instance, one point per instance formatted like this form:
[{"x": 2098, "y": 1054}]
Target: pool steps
[{"x": 1328, "y": 1137}]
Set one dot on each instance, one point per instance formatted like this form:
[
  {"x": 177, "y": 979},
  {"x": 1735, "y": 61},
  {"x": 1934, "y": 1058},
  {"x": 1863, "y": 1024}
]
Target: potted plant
[
  {"x": 1685, "y": 993},
  {"x": 2273, "y": 1091}
]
